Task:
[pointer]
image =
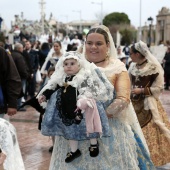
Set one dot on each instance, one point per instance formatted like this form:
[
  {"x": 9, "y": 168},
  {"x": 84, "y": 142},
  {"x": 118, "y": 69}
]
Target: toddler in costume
[{"x": 79, "y": 84}]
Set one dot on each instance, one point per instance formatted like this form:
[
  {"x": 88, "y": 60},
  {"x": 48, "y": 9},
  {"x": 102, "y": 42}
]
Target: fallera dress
[{"x": 151, "y": 115}]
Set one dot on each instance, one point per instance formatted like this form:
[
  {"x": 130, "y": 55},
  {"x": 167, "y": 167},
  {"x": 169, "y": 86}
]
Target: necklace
[
  {"x": 99, "y": 61},
  {"x": 138, "y": 70},
  {"x": 142, "y": 63},
  {"x": 66, "y": 84},
  {"x": 65, "y": 87}
]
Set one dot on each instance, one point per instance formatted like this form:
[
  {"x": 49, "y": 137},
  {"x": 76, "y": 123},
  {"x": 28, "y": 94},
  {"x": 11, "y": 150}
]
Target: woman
[
  {"x": 51, "y": 60},
  {"x": 52, "y": 57},
  {"x": 147, "y": 84},
  {"x": 43, "y": 52},
  {"x": 125, "y": 148}
]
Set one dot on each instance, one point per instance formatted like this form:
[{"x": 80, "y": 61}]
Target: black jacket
[
  {"x": 20, "y": 64},
  {"x": 9, "y": 80}
]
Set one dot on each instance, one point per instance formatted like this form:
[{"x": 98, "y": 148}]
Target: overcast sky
[{"x": 62, "y": 10}]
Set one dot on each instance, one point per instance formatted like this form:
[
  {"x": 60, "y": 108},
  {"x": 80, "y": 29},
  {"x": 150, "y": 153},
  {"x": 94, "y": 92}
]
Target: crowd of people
[{"x": 102, "y": 109}]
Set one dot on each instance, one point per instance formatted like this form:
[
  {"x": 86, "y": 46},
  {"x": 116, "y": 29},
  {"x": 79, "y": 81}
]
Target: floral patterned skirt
[{"x": 159, "y": 146}]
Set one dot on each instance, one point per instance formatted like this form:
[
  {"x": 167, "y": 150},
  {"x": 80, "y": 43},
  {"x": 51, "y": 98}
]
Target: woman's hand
[
  {"x": 137, "y": 91},
  {"x": 41, "y": 99},
  {"x": 109, "y": 115},
  {"x": 2, "y": 158}
]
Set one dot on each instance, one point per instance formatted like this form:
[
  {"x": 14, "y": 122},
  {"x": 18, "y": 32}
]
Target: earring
[{"x": 107, "y": 54}]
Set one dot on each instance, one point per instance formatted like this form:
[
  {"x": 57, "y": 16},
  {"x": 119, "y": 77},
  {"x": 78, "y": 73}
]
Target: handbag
[{"x": 38, "y": 76}]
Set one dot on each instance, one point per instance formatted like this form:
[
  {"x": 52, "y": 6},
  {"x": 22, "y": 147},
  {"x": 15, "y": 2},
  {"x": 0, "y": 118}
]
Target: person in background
[
  {"x": 50, "y": 72},
  {"x": 126, "y": 147},
  {"x": 22, "y": 69},
  {"x": 120, "y": 53},
  {"x": 76, "y": 41},
  {"x": 126, "y": 50},
  {"x": 10, "y": 84},
  {"x": 147, "y": 79},
  {"x": 166, "y": 66},
  {"x": 32, "y": 57},
  {"x": 65, "y": 42},
  {"x": 51, "y": 60},
  {"x": 43, "y": 52}
]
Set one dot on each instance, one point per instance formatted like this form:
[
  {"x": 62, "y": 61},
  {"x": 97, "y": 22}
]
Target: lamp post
[
  {"x": 42, "y": 3},
  {"x": 140, "y": 18},
  {"x": 80, "y": 20},
  {"x": 101, "y": 4},
  {"x": 150, "y": 29}
]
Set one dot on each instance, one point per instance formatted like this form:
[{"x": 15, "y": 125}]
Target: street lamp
[
  {"x": 101, "y": 4},
  {"x": 150, "y": 29},
  {"x": 140, "y": 18},
  {"x": 80, "y": 20}
]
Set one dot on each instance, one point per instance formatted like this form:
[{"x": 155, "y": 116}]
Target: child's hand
[
  {"x": 77, "y": 109},
  {"x": 41, "y": 99}
]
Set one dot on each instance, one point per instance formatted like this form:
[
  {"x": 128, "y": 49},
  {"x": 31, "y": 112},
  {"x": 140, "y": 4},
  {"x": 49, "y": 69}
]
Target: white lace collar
[{"x": 149, "y": 69}]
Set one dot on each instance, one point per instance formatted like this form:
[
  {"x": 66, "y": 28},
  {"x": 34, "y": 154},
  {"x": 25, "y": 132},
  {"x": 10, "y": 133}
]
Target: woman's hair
[
  {"x": 99, "y": 31},
  {"x": 45, "y": 46},
  {"x": 51, "y": 69},
  {"x": 58, "y": 42},
  {"x": 136, "y": 51}
]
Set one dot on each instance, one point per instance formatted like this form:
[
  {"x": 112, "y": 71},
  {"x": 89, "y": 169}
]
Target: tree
[
  {"x": 116, "y": 18},
  {"x": 127, "y": 36}
]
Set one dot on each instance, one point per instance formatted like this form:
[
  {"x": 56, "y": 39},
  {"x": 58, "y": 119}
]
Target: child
[
  {"x": 78, "y": 86},
  {"x": 49, "y": 73}
]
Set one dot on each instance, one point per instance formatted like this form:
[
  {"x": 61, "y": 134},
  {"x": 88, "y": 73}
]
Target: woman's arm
[{"x": 121, "y": 83}]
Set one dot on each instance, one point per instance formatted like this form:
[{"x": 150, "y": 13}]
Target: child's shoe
[
  {"x": 72, "y": 155},
  {"x": 94, "y": 150}
]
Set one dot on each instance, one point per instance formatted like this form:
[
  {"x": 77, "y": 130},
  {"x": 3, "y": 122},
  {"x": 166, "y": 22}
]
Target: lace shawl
[{"x": 10, "y": 147}]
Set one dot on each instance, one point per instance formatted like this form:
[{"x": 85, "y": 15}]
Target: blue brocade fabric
[{"x": 52, "y": 124}]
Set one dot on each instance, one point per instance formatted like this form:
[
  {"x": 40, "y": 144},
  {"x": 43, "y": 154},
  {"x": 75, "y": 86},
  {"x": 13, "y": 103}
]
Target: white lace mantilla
[{"x": 10, "y": 147}]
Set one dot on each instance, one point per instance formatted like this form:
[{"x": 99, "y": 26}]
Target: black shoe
[
  {"x": 51, "y": 149},
  {"x": 94, "y": 150},
  {"x": 72, "y": 155}
]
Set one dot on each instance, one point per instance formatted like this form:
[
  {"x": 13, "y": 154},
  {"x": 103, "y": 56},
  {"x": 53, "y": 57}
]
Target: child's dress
[{"x": 59, "y": 118}]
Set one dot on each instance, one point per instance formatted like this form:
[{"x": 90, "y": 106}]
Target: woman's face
[
  {"x": 57, "y": 47},
  {"x": 96, "y": 47},
  {"x": 133, "y": 56}
]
